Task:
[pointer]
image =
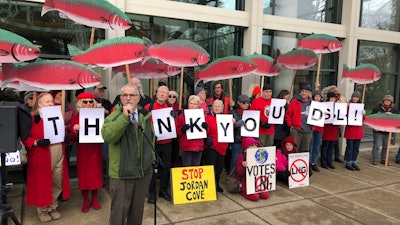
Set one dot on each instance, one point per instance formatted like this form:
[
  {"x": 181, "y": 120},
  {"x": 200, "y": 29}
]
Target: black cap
[
  {"x": 243, "y": 98},
  {"x": 267, "y": 87}
]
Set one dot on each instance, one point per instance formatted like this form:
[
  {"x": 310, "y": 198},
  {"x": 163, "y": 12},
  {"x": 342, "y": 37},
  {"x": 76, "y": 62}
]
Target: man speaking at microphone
[{"x": 131, "y": 156}]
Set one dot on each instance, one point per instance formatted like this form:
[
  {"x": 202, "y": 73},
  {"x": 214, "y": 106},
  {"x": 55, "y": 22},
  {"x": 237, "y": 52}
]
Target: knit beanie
[
  {"x": 388, "y": 98},
  {"x": 356, "y": 93},
  {"x": 256, "y": 90}
]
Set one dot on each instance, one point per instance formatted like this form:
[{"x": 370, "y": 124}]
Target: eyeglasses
[
  {"x": 130, "y": 95},
  {"x": 87, "y": 102},
  {"x": 171, "y": 96}
]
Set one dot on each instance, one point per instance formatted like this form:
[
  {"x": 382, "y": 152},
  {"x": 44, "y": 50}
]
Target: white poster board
[
  {"x": 91, "y": 121},
  {"x": 225, "y": 128},
  {"x": 340, "y": 117},
  {"x": 355, "y": 115},
  {"x": 299, "y": 169},
  {"x": 260, "y": 169},
  {"x": 277, "y": 113},
  {"x": 195, "y": 117},
  {"x": 251, "y": 125},
  {"x": 316, "y": 115},
  {"x": 53, "y": 124},
  {"x": 163, "y": 123}
]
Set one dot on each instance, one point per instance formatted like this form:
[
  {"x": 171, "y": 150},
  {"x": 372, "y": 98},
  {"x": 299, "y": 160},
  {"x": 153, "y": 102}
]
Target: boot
[
  {"x": 219, "y": 188},
  {"x": 95, "y": 203},
  {"x": 86, "y": 204}
]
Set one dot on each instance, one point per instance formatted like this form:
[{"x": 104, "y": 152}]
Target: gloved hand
[
  {"x": 185, "y": 127},
  {"x": 264, "y": 124},
  {"x": 209, "y": 141},
  {"x": 204, "y": 125},
  {"x": 239, "y": 123},
  {"x": 43, "y": 142},
  {"x": 173, "y": 113},
  {"x": 37, "y": 118}
]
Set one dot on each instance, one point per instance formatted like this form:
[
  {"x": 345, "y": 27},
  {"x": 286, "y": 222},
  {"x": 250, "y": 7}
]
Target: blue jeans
[
  {"x": 326, "y": 152},
  {"x": 235, "y": 152},
  {"x": 380, "y": 138},
  {"x": 315, "y": 145},
  {"x": 352, "y": 150},
  {"x": 398, "y": 156}
]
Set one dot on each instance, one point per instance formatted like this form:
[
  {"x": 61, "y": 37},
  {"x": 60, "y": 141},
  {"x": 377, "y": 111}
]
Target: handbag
[{"x": 232, "y": 182}]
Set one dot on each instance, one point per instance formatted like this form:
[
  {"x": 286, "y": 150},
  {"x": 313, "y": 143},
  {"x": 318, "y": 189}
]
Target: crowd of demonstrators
[
  {"x": 288, "y": 146},
  {"x": 316, "y": 138},
  {"x": 88, "y": 157},
  {"x": 190, "y": 150},
  {"x": 47, "y": 174},
  {"x": 241, "y": 164},
  {"x": 380, "y": 138},
  {"x": 353, "y": 135},
  {"x": 131, "y": 156},
  {"x": 163, "y": 149},
  {"x": 263, "y": 104},
  {"x": 282, "y": 130},
  {"x": 215, "y": 150},
  {"x": 243, "y": 103}
]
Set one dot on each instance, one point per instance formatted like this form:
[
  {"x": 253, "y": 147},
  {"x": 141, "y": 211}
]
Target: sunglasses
[
  {"x": 171, "y": 96},
  {"x": 87, "y": 102}
]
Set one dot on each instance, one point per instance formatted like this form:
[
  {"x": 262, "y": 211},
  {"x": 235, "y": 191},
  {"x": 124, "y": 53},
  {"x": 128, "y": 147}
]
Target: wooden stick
[
  {"x": 318, "y": 71},
  {"x": 388, "y": 149},
  {"x": 262, "y": 82},
  {"x": 181, "y": 89},
  {"x": 230, "y": 94},
  {"x": 91, "y": 37},
  {"x": 63, "y": 103},
  {"x": 151, "y": 89},
  {"x": 293, "y": 79},
  {"x": 128, "y": 73},
  {"x": 363, "y": 96}
]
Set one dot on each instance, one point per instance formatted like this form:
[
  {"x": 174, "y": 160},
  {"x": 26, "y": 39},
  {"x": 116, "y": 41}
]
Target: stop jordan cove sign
[{"x": 299, "y": 170}]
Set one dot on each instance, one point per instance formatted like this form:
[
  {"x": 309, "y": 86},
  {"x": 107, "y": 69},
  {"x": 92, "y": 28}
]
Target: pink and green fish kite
[{"x": 362, "y": 74}]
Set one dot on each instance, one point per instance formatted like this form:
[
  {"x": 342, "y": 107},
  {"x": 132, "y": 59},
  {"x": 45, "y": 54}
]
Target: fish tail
[
  {"x": 73, "y": 50},
  {"x": 49, "y": 5},
  {"x": 346, "y": 71}
]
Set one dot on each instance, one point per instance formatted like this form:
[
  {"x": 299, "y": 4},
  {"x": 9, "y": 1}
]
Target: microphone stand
[{"x": 156, "y": 164}]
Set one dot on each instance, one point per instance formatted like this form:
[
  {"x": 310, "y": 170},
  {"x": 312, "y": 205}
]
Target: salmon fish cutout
[
  {"x": 181, "y": 53},
  {"x": 362, "y": 74},
  {"x": 384, "y": 122},
  {"x": 92, "y": 13},
  {"x": 297, "y": 59},
  {"x": 150, "y": 70},
  {"x": 51, "y": 75},
  {"x": 266, "y": 66},
  {"x": 110, "y": 53},
  {"x": 319, "y": 43},
  {"x": 14, "y": 48},
  {"x": 225, "y": 68}
]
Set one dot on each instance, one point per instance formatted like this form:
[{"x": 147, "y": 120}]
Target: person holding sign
[
  {"x": 288, "y": 147},
  {"x": 353, "y": 135},
  {"x": 215, "y": 151},
  {"x": 241, "y": 165},
  {"x": 47, "y": 166},
  {"x": 381, "y": 137},
  {"x": 191, "y": 150},
  {"x": 263, "y": 104},
  {"x": 329, "y": 137},
  {"x": 316, "y": 138},
  {"x": 130, "y": 135},
  {"x": 88, "y": 157}
]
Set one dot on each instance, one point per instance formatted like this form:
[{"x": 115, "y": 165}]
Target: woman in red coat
[
  {"x": 88, "y": 157},
  {"x": 215, "y": 151},
  {"x": 47, "y": 174},
  {"x": 191, "y": 150}
]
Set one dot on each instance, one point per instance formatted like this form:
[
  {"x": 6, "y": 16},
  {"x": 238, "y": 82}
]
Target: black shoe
[
  {"x": 350, "y": 167},
  {"x": 355, "y": 166},
  {"x": 219, "y": 189},
  {"x": 315, "y": 167},
  {"x": 374, "y": 162},
  {"x": 165, "y": 195},
  {"x": 152, "y": 198},
  {"x": 398, "y": 161},
  {"x": 383, "y": 162},
  {"x": 325, "y": 166},
  {"x": 339, "y": 160},
  {"x": 332, "y": 166}
]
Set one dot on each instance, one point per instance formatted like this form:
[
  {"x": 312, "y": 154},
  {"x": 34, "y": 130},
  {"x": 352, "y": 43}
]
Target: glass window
[
  {"x": 226, "y": 4},
  {"x": 50, "y": 32},
  {"x": 380, "y": 14},
  {"x": 328, "y": 11},
  {"x": 218, "y": 40}
]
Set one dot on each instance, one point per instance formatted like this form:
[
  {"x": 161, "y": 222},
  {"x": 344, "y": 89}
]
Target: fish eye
[{"x": 29, "y": 49}]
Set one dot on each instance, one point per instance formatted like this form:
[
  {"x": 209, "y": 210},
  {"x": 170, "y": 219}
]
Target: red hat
[
  {"x": 289, "y": 139},
  {"x": 86, "y": 95},
  {"x": 248, "y": 141},
  {"x": 256, "y": 90}
]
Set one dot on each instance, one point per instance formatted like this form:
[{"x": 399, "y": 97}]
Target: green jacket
[{"x": 130, "y": 153}]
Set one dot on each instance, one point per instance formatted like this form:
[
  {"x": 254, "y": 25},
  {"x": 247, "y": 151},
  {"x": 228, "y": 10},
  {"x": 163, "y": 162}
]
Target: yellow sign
[{"x": 193, "y": 184}]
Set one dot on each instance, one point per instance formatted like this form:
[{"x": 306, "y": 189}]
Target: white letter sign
[
  {"x": 225, "y": 128},
  {"x": 90, "y": 123},
  {"x": 277, "y": 111},
  {"x": 163, "y": 123},
  {"x": 355, "y": 116},
  {"x": 195, "y": 117},
  {"x": 316, "y": 115},
  {"x": 251, "y": 125},
  {"x": 53, "y": 124}
]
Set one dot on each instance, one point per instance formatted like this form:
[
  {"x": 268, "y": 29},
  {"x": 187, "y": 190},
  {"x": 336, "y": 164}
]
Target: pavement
[{"x": 335, "y": 196}]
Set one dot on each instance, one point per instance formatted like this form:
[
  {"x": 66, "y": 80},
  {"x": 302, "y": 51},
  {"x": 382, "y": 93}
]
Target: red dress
[{"x": 88, "y": 161}]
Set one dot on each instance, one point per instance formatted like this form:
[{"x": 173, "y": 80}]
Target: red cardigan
[
  {"x": 39, "y": 175},
  {"x": 213, "y": 133},
  {"x": 184, "y": 143}
]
